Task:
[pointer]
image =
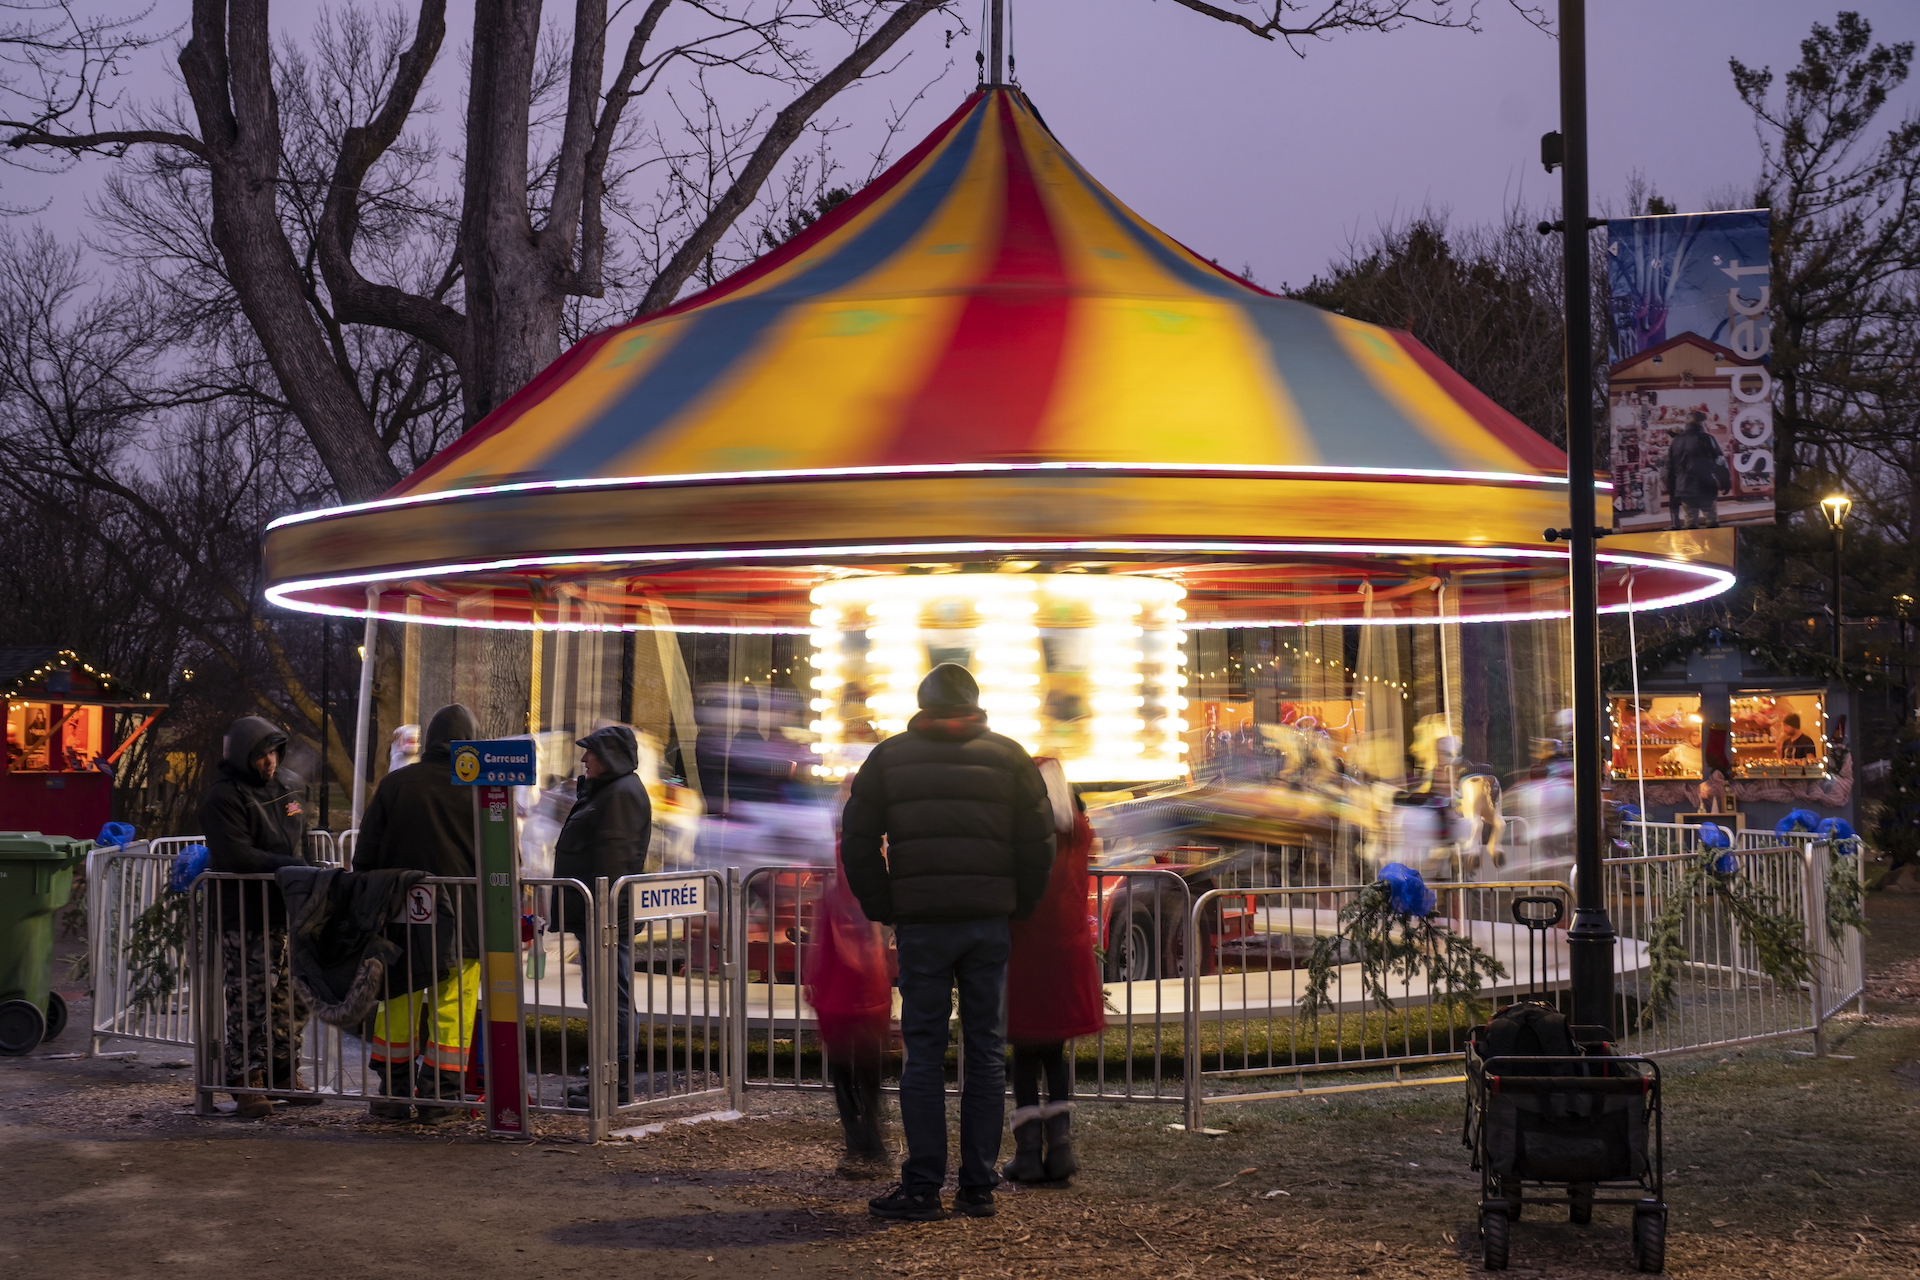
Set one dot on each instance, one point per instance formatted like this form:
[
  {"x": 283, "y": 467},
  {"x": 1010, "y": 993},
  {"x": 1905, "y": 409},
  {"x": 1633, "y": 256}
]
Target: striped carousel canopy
[{"x": 983, "y": 353}]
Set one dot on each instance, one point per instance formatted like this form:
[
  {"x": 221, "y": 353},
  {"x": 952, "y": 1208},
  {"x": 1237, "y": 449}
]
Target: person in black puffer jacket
[
  {"x": 606, "y": 834},
  {"x": 255, "y": 822},
  {"x": 968, "y": 837},
  {"x": 421, "y": 820}
]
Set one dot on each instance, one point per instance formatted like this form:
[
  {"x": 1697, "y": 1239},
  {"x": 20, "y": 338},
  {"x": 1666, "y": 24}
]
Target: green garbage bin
[{"x": 36, "y": 879}]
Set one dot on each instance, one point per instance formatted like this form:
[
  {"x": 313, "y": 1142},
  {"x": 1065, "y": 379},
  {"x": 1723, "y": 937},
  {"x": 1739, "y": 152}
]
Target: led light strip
[
  {"x": 933, "y": 469},
  {"x": 285, "y": 594}
]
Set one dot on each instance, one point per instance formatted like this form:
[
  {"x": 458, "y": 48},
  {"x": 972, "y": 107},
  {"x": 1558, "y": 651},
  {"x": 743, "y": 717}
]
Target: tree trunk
[{"x": 513, "y": 298}]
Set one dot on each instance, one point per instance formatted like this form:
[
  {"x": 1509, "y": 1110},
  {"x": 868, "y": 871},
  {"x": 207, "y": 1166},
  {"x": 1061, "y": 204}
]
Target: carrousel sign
[{"x": 1689, "y": 387}]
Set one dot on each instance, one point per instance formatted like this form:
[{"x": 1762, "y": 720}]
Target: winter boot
[
  {"x": 251, "y": 1106},
  {"x": 449, "y": 1087},
  {"x": 1058, "y": 1119},
  {"x": 288, "y": 1077},
  {"x": 1026, "y": 1165},
  {"x": 396, "y": 1081}
]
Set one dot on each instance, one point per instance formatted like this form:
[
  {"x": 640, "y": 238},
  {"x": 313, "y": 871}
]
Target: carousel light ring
[
  {"x": 299, "y": 594},
  {"x": 1085, "y": 667}
]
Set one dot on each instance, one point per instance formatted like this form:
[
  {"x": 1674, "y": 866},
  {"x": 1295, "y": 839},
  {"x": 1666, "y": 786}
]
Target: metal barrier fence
[
  {"x": 253, "y": 1037},
  {"x": 1204, "y": 985},
  {"x": 1723, "y": 996},
  {"x": 123, "y": 884},
  {"x": 680, "y": 1017},
  {"x": 1246, "y": 1007},
  {"x": 1142, "y": 914}
]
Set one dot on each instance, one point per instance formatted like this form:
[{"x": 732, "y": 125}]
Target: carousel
[{"x": 1259, "y": 575}]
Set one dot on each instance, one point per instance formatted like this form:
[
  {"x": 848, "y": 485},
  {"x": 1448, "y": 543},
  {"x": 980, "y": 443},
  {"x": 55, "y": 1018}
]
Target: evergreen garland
[
  {"x": 1392, "y": 943},
  {"x": 1846, "y": 896},
  {"x": 1789, "y": 659},
  {"x": 155, "y": 946},
  {"x": 1897, "y": 834},
  {"x": 1779, "y": 939}
]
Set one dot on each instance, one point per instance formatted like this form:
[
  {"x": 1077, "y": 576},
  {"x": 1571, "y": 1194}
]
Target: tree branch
[
  {"x": 356, "y": 299},
  {"x": 786, "y": 127}
]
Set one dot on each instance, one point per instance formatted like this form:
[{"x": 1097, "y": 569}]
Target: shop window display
[{"x": 1663, "y": 739}]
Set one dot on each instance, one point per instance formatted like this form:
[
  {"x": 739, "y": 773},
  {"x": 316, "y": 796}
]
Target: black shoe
[
  {"x": 910, "y": 1206},
  {"x": 975, "y": 1202}
]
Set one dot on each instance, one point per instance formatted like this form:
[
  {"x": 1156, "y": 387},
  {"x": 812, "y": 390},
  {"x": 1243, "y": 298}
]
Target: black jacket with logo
[
  {"x": 965, "y": 817},
  {"x": 421, "y": 820}
]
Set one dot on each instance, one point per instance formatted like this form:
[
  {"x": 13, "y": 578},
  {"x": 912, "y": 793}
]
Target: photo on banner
[{"x": 1689, "y": 382}]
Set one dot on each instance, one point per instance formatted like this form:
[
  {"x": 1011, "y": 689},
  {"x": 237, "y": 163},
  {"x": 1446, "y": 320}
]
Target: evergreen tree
[{"x": 1898, "y": 832}]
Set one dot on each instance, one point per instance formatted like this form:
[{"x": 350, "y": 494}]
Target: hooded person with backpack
[
  {"x": 420, "y": 820},
  {"x": 606, "y": 834},
  {"x": 947, "y": 834},
  {"x": 254, "y": 820}
]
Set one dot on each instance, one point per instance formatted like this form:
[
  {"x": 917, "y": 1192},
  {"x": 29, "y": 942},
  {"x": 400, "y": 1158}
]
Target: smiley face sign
[
  {"x": 466, "y": 764},
  {"x": 496, "y": 762}
]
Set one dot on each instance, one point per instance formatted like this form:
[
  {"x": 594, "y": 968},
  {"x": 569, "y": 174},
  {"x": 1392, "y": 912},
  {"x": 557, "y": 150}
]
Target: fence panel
[
  {"x": 123, "y": 885},
  {"x": 256, "y": 1037},
  {"x": 666, "y": 939},
  {"x": 560, "y": 939},
  {"x": 1246, "y": 1003},
  {"x": 1722, "y": 996}
]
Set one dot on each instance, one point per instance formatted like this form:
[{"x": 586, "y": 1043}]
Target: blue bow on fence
[
  {"x": 187, "y": 867},
  {"x": 116, "y": 834},
  {"x": 1629, "y": 813},
  {"x": 1837, "y": 830},
  {"x": 1409, "y": 892},
  {"x": 1798, "y": 820},
  {"x": 1715, "y": 836}
]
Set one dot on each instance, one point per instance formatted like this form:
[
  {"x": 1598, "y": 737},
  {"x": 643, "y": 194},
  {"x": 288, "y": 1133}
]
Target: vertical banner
[
  {"x": 1689, "y": 387},
  {"x": 492, "y": 769}
]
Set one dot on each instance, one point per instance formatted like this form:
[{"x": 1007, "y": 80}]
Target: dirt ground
[{"x": 1781, "y": 1165}]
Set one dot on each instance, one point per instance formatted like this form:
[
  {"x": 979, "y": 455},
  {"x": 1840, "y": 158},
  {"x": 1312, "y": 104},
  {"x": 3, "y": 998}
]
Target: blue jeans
[{"x": 935, "y": 958}]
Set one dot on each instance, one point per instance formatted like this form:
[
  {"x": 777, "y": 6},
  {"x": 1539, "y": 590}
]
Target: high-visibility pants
[{"x": 448, "y": 1006}]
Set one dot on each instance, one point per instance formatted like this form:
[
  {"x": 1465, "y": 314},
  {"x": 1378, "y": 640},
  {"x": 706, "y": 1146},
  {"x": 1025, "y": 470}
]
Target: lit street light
[{"x": 1835, "y": 507}]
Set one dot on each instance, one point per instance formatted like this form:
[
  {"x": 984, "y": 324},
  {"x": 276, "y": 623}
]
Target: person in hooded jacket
[
  {"x": 1694, "y": 465},
  {"x": 421, "y": 820},
  {"x": 254, "y": 821},
  {"x": 1054, "y": 994},
  {"x": 968, "y": 844},
  {"x": 606, "y": 834}
]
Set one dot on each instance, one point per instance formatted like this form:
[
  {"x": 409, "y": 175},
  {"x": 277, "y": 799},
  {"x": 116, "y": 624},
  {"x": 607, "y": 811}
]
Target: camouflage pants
[{"x": 264, "y": 1016}]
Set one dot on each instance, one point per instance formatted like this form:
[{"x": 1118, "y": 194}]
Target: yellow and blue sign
[{"x": 494, "y": 763}]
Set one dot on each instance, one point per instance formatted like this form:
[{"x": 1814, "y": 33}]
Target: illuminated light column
[
  {"x": 1134, "y": 685},
  {"x": 829, "y": 678},
  {"x": 1007, "y": 660}
]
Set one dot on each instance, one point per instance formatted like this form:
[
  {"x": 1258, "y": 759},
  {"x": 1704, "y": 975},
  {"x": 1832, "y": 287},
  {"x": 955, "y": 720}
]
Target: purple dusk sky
[{"x": 1266, "y": 160}]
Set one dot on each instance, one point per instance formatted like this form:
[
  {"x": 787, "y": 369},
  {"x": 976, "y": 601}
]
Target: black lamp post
[
  {"x": 1835, "y": 508},
  {"x": 1590, "y": 939}
]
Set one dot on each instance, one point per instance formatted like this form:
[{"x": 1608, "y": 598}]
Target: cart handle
[
  {"x": 1538, "y": 914},
  {"x": 1571, "y": 1084}
]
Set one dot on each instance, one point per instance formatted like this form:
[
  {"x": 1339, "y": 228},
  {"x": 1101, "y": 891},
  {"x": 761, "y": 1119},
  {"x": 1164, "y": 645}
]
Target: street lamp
[{"x": 1835, "y": 507}]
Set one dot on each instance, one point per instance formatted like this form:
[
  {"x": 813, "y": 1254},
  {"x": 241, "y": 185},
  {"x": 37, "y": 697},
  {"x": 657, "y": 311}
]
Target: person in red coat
[
  {"x": 851, "y": 992},
  {"x": 1053, "y": 995}
]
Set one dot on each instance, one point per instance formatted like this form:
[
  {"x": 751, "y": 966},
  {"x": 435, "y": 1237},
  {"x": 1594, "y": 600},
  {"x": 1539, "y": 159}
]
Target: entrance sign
[
  {"x": 655, "y": 899},
  {"x": 1691, "y": 343}
]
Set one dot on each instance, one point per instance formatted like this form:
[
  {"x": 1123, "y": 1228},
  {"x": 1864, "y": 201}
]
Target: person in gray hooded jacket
[{"x": 606, "y": 834}]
